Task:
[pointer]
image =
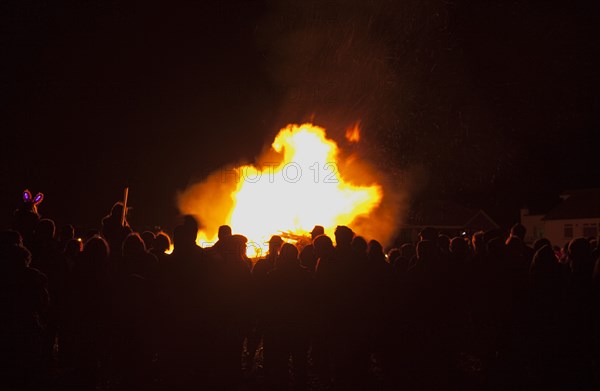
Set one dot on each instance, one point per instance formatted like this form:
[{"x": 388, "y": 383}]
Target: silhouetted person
[
  {"x": 136, "y": 260},
  {"x": 317, "y": 231},
  {"x": 135, "y": 317},
  {"x": 487, "y": 298},
  {"x": 259, "y": 274},
  {"x": 541, "y": 243},
  {"x": 518, "y": 230},
  {"x": 90, "y": 318},
  {"x": 23, "y": 297},
  {"x": 90, "y": 233},
  {"x": 578, "y": 316},
  {"x": 184, "y": 239},
  {"x": 511, "y": 300},
  {"x": 360, "y": 247},
  {"x": 148, "y": 238},
  {"x": 545, "y": 332},
  {"x": 233, "y": 300},
  {"x": 481, "y": 275},
  {"x": 223, "y": 233},
  {"x": 595, "y": 246},
  {"x": 162, "y": 244},
  {"x": 352, "y": 329},
  {"x": 185, "y": 296},
  {"x": 47, "y": 257},
  {"x": 405, "y": 261},
  {"x": 459, "y": 259},
  {"x": 114, "y": 231},
  {"x": 26, "y": 217},
  {"x": 327, "y": 292},
  {"x": 343, "y": 238},
  {"x": 596, "y": 300},
  {"x": 379, "y": 280},
  {"x": 392, "y": 255},
  {"x": 308, "y": 259},
  {"x": 287, "y": 314},
  {"x": 428, "y": 233},
  {"x": 459, "y": 250},
  {"x": 478, "y": 243},
  {"x": 443, "y": 242},
  {"x": 72, "y": 252},
  {"x": 427, "y": 337},
  {"x": 564, "y": 251},
  {"x": 265, "y": 265},
  {"x": 457, "y": 282},
  {"x": 65, "y": 233},
  {"x": 580, "y": 258}
]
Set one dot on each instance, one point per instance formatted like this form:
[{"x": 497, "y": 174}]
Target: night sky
[{"x": 494, "y": 104}]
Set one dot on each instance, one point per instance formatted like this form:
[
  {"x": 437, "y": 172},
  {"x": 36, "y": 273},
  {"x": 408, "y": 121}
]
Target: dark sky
[{"x": 494, "y": 104}]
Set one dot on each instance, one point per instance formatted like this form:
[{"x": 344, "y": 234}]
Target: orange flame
[
  {"x": 353, "y": 133},
  {"x": 303, "y": 188}
]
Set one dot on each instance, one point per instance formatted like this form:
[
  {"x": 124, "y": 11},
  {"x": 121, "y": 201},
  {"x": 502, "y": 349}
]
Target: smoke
[{"x": 342, "y": 61}]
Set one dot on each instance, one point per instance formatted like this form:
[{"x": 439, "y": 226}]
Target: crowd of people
[{"x": 118, "y": 311}]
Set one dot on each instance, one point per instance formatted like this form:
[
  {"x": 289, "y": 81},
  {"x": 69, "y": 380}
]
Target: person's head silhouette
[
  {"x": 316, "y": 231},
  {"x": 519, "y": 231},
  {"x": 288, "y": 255},
  {"x": 234, "y": 247},
  {"x": 359, "y": 245},
  {"x": 428, "y": 233},
  {"x": 323, "y": 246},
  {"x": 275, "y": 244},
  {"x": 224, "y": 231},
  {"x": 343, "y": 236},
  {"x": 162, "y": 243}
]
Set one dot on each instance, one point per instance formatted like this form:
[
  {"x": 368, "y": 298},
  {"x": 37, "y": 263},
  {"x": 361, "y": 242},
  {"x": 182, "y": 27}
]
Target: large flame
[{"x": 301, "y": 188}]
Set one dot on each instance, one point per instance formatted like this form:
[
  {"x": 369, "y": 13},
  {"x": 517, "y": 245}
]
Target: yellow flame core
[{"x": 293, "y": 195}]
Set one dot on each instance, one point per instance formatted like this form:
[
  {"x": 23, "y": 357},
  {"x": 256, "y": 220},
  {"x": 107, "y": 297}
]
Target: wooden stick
[{"x": 124, "y": 214}]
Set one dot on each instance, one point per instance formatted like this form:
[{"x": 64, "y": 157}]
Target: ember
[{"x": 353, "y": 133}]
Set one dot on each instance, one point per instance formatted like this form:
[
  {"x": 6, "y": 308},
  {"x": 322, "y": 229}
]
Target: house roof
[
  {"x": 442, "y": 213},
  {"x": 579, "y": 204},
  {"x": 481, "y": 221}
]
